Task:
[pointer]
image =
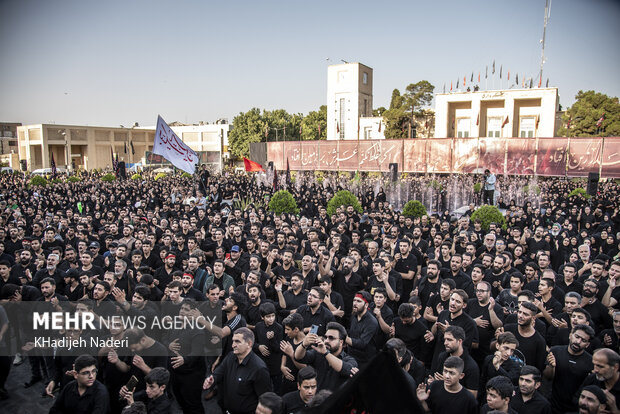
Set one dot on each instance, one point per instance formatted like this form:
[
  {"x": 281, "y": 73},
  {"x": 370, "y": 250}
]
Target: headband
[{"x": 360, "y": 296}]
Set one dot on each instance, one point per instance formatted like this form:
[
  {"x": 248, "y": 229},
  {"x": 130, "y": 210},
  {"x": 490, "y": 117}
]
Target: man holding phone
[{"x": 154, "y": 396}]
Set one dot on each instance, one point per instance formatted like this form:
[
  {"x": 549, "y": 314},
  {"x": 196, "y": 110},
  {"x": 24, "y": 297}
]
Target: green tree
[
  {"x": 246, "y": 127},
  {"x": 585, "y": 113},
  {"x": 379, "y": 111},
  {"x": 404, "y": 108},
  {"x": 311, "y": 123}
]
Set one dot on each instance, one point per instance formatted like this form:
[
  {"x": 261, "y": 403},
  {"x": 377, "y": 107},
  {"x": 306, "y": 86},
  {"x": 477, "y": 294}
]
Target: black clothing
[
  {"x": 95, "y": 400},
  {"x": 241, "y": 383},
  {"x": 362, "y": 334},
  {"x": 441, "y": 401},
  {"x": 533, "y": 347},
  {"x": 535, "y": 405},
  {"x": 328, "y": 378},
  {"x": 570, "y": 372},
  {"x": 321, "y": 318}
]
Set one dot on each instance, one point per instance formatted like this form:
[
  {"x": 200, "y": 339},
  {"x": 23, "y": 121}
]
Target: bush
[
  {"x": 73, "y": 179},
  {"x": 160, "y": 175},
  {"x": 283, "y": 202},
  {"x": 136, "y": 176},
  {"x": 108, "y": 177},
  {"x": 37, "y": 180},
  {"x": 319, "y": 176},
  {"x": 580, "y": 192},
  {"x": 343, "y": 198},
  {"x": 414, "y": 208},
  {"x": 535, "y": 189},
  {"x": 436, "y": 185},
  {"x": 56, "y": 181},
  {"x": 186, "y": 175},
  {"x": 477, "y": 187},
  {"x": 488, "y": 215}
]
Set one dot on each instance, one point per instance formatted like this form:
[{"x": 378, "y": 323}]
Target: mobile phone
[
  {"x": 227, "y": 256},
  {"x": 314, "y": 329},
  {"x": 131, "y": 384}
]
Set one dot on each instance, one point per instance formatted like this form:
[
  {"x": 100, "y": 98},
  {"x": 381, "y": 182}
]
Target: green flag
[{"x": 79, "y": 206}]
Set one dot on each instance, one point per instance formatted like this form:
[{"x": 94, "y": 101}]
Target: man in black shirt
[
  {"x": 85, "y": 395},
  {"x": 488, "y": 317},
  {"x": 364, "y": 326},
  {"x": 314, "y": 313},
  {"x": 531, "y": 343},
  {"x": 527, "y": 398},
  {"x": 453, "y": 342},
  {"x": 406, "y": 265},
  {"x": 567, "y": 367},
  {"x": 296, "y": 401},
  {"x": 155, "y": 396},
  {"x": 242, "y": 376}
]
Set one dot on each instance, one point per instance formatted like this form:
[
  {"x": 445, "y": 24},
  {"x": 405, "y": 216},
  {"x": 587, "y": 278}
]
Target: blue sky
[{"x": 118, "y": 62}]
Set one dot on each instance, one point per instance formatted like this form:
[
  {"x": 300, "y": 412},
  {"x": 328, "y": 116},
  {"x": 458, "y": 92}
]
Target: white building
[
  {"x": 501, "y": 113},
  {"x": 349, "y": 98}
]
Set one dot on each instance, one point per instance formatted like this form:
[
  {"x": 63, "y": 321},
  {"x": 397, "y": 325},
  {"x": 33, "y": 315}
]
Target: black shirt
[
  {"x": 321, "y": 318},
  {"x": 328, "y": 378},
  {"x": 441, "y": 401},
  {"x": 570, "y": 372},
  {"x": 293, "y": 402},
  {"x": 241, "y": 383},
  {"x": 95, "y": 400},
  {"x": 485, "y": 335},
  {"x": 471, "y": 370},
  {"x": 362, "y": 334},
  {"x": 535, "y": 405},
  {"x": 533, "y": 347}
]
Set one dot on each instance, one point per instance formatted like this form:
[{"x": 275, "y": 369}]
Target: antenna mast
[{"x": 542, "y": 58}]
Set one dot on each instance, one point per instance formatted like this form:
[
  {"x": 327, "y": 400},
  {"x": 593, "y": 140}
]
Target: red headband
[
  {"x": 360, "y": 296},
  {"x": 171, "y": 255},
  {"x": 188, "y": 274}
]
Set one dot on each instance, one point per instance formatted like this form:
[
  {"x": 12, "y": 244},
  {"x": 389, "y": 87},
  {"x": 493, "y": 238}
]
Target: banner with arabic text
[
  {"x": 414, "y": 154},
  {"x": 611, "y": 158},
  {"x": 584, "y": 156},
  {"x": 551, "y": 158}
]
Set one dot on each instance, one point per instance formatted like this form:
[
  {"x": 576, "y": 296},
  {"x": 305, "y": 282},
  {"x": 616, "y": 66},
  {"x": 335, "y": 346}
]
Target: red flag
[
  {"x": 319, "y": 131},
  {"x": 600, "y": 121},
  {"x": 337, "y": 128},
  {"x": 568, "y": 123},
  {"x": 464, "y": 80},
  {"x": 252, "y": 165},
  {"x": 505, "y": 121},
  {"x": 478, "y": 119},
  {"x": 300, "y": 130},
  {"x": 508, "y": 75},
  {"x": 540, "y": 82},
  {"x": 478, "y": 77},
  {"x": 450, "y": 86},
  {"x": 379, "y": 126},
  {"x": 537, "y": 120}
]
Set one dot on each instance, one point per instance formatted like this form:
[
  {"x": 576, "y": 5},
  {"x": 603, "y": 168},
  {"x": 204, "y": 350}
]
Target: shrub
[
  {"x": 136, "y": 176},
  {"x": 343, "y": 198},
  {"x": 108, "y": 177},
  {"x": 160, "y": 175},
  {"x": 37, "y": 180},
  {"x": 488, "y": 215},
  {"x": 283, "y": 202},
  {"x": 56, "y": 181},
  {"x": 477, "y": 187},
  {"x": 73, "y": 179},
  {"x": 320, "y": 176},
  {"x": 535, "y": 189},
  {"x": 414, "y": 208},
  {"x": 186, "y": 175},
  {"x": 580, "y": 192},
  {"x": 436, "y": 185}
]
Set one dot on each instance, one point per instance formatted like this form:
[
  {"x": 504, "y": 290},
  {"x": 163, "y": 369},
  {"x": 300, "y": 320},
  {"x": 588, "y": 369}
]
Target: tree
[
  {"x": 585, "y": 114},
  {"x": 314, "y": 122},
  {"x": 404, "y": 108},
  {"x": 246, "y": 127},
  {"x": 379, "y": 111}
]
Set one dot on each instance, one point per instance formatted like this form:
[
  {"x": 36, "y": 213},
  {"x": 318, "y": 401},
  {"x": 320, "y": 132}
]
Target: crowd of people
[{"x": 481, "y": 317}]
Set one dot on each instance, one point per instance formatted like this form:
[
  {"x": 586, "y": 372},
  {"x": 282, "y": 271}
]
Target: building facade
[
  {"x": 88, "y": 147},
  {"x": 527, "y": 113},
  {"x": 349, "y": 98}
]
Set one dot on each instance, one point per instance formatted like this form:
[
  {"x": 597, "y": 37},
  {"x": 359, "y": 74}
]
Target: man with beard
[
  {"x": 327, "y": 356},
  {"x": 25, "y": 269},
  {"x": 314, "y": 313},
  {"x": 381, "y": 279},
  {"x": 496, "y": 275},
  {"x": 163, "y": 275},
  {"x": 527, "y": 398},
  {"x": 460, "y": 278},
  {"x": 548, "y": 305},
  {"x": 453, "y": 342},
  {"x": 345, "y": 281},
  {"x": 592, "y": 400},
  {"x": 531, "y": 343},
  {"x": 598, "y": 312},
  {"x": 308, "y": 273},
  {"x": 567, "y": 367},
  {"x": 87, "y": 265},
  {"x": 189, "y": 291},
  {"x": 364, "y": 326},
  {"x": 50, "y": 270},
  {"x": 488, "y": 317},
  {"x": 5, "y": 275},
  {"x": 537, "y": 243},
  {"x": 253, "y": 313},
  {"x": 568, "y": 282},
  {"x": 284, "y": 271},
  {"x": 225, "y": 282},
  {"x": 429, "y": 284},
  {"x": 605, "y": 374},
  {"x": 293, "y": 297}
]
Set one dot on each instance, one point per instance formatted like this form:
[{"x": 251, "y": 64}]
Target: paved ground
[{"x": 29, "y": 400}]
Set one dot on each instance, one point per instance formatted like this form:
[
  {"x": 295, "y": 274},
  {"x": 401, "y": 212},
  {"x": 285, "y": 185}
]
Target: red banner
[
  {"x": 520, "y": 153},
  {"x": 309, "y": 155},
  {"x": 492, "y": 154},
  {"x": 391, "y": 152},
  {"x": 370, "y": 155},
  {"x": 415, "y": 155},
  {"x": 347, "y": 156},
  {"x": 465, "y": 155},
  {"x": 611, "y": 158},
  {"x": 584, "y": 156},
  {"x": 275, "y": 153},
  {"x": 551, "y": 158},
  {"x": 328, "y": 154},
  {"x": 438, "y": 155}
]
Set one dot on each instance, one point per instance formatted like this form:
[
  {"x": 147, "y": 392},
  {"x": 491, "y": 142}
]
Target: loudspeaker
[
  {"x": 394, "y": 171},
  {"x": 593, "y": 183},
  {"x": 122, "y": 172},
  {"x": 24, "y": 165}
]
